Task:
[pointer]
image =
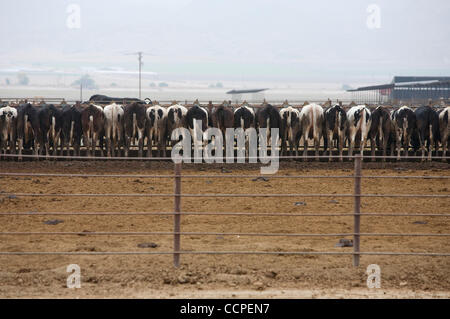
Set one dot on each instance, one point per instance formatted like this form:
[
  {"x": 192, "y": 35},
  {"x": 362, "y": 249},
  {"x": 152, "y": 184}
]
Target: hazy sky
[{"x": 282, "y": 40}]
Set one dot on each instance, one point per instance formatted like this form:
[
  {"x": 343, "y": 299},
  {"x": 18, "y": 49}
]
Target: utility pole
[{"x": 140, "y": 55}]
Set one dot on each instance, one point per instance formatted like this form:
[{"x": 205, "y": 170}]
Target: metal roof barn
[{"x": 405, "y": 89}]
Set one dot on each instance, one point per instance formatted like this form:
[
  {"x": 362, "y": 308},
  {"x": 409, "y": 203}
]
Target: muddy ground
[{"x": 279, "y": 276}]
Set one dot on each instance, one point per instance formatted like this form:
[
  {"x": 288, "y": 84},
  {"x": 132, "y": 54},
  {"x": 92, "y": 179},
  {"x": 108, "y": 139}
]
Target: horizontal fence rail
[
  {"x": 222, "y": 159},
  {"x": 220, "y": 176},
  {"x": 219, "y": 234},
  {"x": 177, "y": 213},
  {"x": 234, "y": 252},
  {"x": 227, "y": 195},
  {"x": 221, "y": 214}
]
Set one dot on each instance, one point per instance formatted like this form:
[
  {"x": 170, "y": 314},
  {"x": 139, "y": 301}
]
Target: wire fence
[{"x": 177, "y": 213}]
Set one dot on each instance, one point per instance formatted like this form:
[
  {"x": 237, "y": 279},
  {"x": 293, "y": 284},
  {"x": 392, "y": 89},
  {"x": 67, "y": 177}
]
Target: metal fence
[{"x": 178, "y": 213}]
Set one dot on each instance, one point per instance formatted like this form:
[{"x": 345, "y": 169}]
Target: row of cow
[{"x": 47, "y": 128}]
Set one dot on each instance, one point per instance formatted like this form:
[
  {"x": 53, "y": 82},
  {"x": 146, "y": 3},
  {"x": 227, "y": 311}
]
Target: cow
[
  {"x": 134, "y": 126},
  {"x": 444, "y": 124},
  {"x": 404, "y": 123},
  {"x": 290, "y": 134},
  {"x": 223, "y": 117},
  {"x": 381, "y": 132},
  {"x": 8, "y": 127},
  {"x": 176, "y": 118},
  {"x": 113, "y": 128},
  {"x": 72, "y": 129},
  {"x": 194, "y": 114},
  {"x": 105, "y": 100},
  {"x": 335, "y": 119},
  {"x": 427, "y": 130},
  {"x": 50, "y": 121},
  {"x": 92, "y": 121},
  {"x": 268, "y": 117},
  {"x": 358, "y": 125},
  {"x": 156, "y": 125},
  {"x": 311, "y": 121},
  {"x": 244, "y": 118},
  {"x": 28, "y": 128}
]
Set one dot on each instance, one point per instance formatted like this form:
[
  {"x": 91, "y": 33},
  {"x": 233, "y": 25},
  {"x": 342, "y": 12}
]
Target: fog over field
[{"x": 305, "y": 48}]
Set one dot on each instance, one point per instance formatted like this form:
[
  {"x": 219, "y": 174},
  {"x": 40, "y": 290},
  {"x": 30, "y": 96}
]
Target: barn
[{"x": 405, "y": 89}]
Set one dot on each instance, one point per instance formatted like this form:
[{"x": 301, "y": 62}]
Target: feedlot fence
[{"x": 178, "y": 213}]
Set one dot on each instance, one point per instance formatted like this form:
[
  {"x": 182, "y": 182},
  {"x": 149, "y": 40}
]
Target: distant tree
[
  {"x": 114, "y": 85},
  {"x": 7, "y": 81},
  {"x": 152, "y": 84},
  {"x": 219, "y": 85},
  {"x": 163, "y": 85},
  {"x": 86, "y": 81},
  {"x": 23, "y": 79},
  {"x": 211, "y": 86}
]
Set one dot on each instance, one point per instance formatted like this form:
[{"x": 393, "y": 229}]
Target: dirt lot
[{"x": 279, "y": 276}]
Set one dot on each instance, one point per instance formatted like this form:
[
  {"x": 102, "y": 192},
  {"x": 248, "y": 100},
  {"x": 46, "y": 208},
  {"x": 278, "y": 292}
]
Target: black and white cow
[
  {"x": 335, "y": 119},
  {"x": 291, "y": 133},
  {"x": 359, "y": 122},
  {"x": 244, "y": 117},
  {"x": 176, "y": 118},
  {"x": 427, "y": 130},
  {"x": 113, "y": 128},
  {"x": 50, "y": 121},
  {"x": 404, "y": 123},
  {"x": 197, "y": 113},
  {"x": 92, "y": 121},
  {"x": 8, "y": 128},
  {"x": 105, "y": 100},
  {"x": 312, "y": 121},
  {"x": 72, "y": 130},
  {"x": 381, "y": 132},
  {"x": 134, "y": 126},
  {"x": 444, "y": 126},
  {"x": 28, "y": 128},
  {"x": 156, "y": 126}
]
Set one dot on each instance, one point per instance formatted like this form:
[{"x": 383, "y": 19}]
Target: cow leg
[
  {"x": 372, "y": 149},
  {"x": 444, "y": 147},
  {"x": 141, "y": 142},
  {"x": 305, "y": 148},
  {"x": 47, "y": 145},
  {"x": 406, "y": 144},
  {"x": 330, "y": 146},
  {"x": 20, "y": 145},
  {"x": 351, "y": 146},
  {"x": 108, "y": 146},
  {"x": 341, "y": 146},
  {"x": 150, "y": 143},
  {"x": 126, "y": 146}
]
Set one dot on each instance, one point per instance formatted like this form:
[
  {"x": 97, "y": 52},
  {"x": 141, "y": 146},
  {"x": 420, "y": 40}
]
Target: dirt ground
[{"x": 218, "y": 276}]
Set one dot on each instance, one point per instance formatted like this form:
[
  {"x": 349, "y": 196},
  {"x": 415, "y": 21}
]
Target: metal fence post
[
  {"x": 177, "y": 216},
  {"x": 357, "y": 210}
]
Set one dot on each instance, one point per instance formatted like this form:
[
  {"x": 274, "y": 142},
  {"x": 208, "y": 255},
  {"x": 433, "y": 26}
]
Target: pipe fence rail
[{"x": 177, "y": 213}]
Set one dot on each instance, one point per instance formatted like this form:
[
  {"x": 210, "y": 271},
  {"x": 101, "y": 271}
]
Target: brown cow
[{"x": 92, "y": 121}]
